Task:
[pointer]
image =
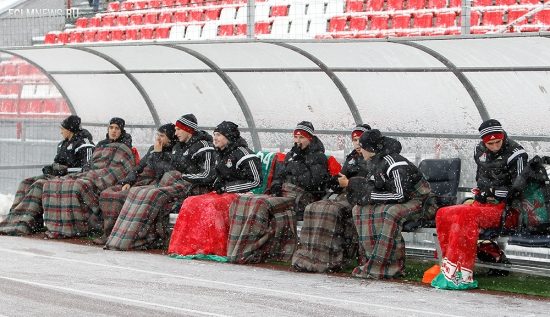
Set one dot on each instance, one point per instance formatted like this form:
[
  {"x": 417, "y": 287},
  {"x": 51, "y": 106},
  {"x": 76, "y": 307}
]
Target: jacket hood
[
  {"x": 233, "y": 145},
  {"x": 315, "y": 145},
  {"x": 389, "y": 146},
  {"x": 84, "y": 134}
]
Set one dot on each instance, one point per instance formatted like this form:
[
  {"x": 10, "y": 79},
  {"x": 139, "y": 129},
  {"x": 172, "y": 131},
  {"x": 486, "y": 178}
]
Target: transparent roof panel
[
  {"x": 523, "y": 107},
  {"x": 281, "y": 100},
  {"x": 152, "y": 57},
  {"x": 419, "y": 102},
  {"x": 369, "y": 54},
  {"x": 66, "y": 59},
  {"x": 203, "y": 94},
  {"x": 494, "y": 52},
  {"x": 252, "y": 55},
  {"x": 98, "y": 98}
]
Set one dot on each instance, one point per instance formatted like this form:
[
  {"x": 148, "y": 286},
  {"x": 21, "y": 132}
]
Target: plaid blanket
[
  {"x": 144, "y": 218},
  {"x": 112, "y": 199},
  {"x": 328, "y": 239},
  {"x": 25, "y": 215},
  {"x": 71, "y": 204},
  {"x": 202, "y": 226},
  {"x": 381, "y": 245},
  {"x": 263, "y": 227}
]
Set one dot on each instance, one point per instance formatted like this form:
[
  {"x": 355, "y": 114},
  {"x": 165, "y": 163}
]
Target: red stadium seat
[
  {"x": 90, "y": 35},
  {"x": 226, "y": 30},
  {"x": 146, "y": 33},
  {"x": 416, "y": 4},
  {"x": 127, "y": 6},
  {"x": 132, "y": 34},
  {"x": 224, "y": 2},
  {"x": 81, "y": 23},
  {"x": 62, "y": 37},
  {"x": 182, "y": 2},
  {"x": 180, "y": 16},
  {"x": 379, "y": 22},
  {"x": 529, "y": 1},
  {"x": 103, "y": 35},
  {"x": 22, "y": 69},
  {"x": 162, "y": 32},
  {"x": 150, "y": 18},
  {"x": 194, "y": 16},
  {"x": 6, "y": 105},
  {"x": 261, "y": 27},
  {"x": 474, "y": 18},
  {"x": 354, "y": 6},
  {"x": 50, "y": 38},
  {"x": 122, "y": 20},
  {"x": 155, "y": 4},
  {"x": 337, "y": 24},
  {"x": 482, "y": 3},
  {"x": 50, "y": 106},
  {"x": 212, "y": 14},
  {"x": 401, "y": 21},
  {"x": 168, "y": 3},
  {"x": 455, "y": 3},
  {"x": 437, "y": 4},
  {"x": 392, "y": 5},
  {"x": 75, "y": 36},
  {"x": 117, "y": 35},
  {"x": 13, "y": 89},
  {"x": 113, "y": 6},
  {"x": 374, "y": 5},
  {"x": 197, "y": 2},
  {"x": 505, "y": 2},
  {"x": 358, "y": 24},
  {"x": 165, "y": 17},
  {"x": 542, "y": 17},
  {"x": 493, "y": 18},
  {"x": 514, "y": 14},
  {"x": 279, "y": 11},
  {"x": 422, "y": 20},
  {"x": 34, "y": 106},
  {"x": 108, "y": 20},
  {"x": 240, "y": 30},
  {"x": 94, "y": 22},
  {"x": 140, "y": 5},
  {"x": 135, "y": 19},
  {"x": 3, "y": 88}
]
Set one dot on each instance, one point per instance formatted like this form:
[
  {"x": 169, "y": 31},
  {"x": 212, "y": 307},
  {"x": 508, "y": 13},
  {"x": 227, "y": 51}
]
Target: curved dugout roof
[{"x": 419, "y": 88}]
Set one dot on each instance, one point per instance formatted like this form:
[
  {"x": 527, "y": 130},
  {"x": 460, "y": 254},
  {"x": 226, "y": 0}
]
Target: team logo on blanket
[
  {"x": 483, "y": 158},
  {"x": 229, "y": 164}
]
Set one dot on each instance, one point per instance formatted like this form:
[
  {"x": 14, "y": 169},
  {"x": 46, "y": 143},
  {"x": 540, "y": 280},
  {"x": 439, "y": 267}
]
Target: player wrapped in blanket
[
  {"x": 74, "y": 154},
  {"x": 328, "y": 239},
  {"x": 264, "y": 226},
  {"x": 499, "y": 161},
  {"x": 202, "y": 226},
  {"x": 393, "y": 196}
]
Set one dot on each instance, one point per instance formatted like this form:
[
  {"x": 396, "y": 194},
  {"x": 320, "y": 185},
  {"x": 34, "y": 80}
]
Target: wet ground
[{"x": 70, "y": 278}]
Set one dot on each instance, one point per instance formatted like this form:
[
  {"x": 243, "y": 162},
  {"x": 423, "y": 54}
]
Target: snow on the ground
[{"x": 5, "y": 204}]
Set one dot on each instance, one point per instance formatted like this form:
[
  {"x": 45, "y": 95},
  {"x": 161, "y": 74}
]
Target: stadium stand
[{"x": 301, "y": 19}]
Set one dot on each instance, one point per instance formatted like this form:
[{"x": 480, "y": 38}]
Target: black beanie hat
[
  {"x": 169, "y": 130},
  {"x": 118, "y": 121},
  {"x": 229, "y": 129},
  {"x": 188, "y": 122},
  {"x": 359, "y": 129},
  {"x": 371, "y": 141},
  {"x": 71, "y": 123},
  {"x": 491, "y": 130},
  {"x": 307, "y": 127}
]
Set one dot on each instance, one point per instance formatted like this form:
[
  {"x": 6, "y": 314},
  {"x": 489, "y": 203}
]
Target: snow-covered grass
[{"x": 5, "y": 204}]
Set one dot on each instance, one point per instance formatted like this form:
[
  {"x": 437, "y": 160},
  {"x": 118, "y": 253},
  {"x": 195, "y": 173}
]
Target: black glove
[
  {"x": 297, "y": 152},
  {"x": 219, "y": 187},
  {"x": 60, "y": 170},
  {"x": 333, "y": 183},
  {"x": 512, "y": 195},
  {"x": 47, "y": 170},
  {"x": 276, "y": 190},
  {"x": 482, "y": 195}
]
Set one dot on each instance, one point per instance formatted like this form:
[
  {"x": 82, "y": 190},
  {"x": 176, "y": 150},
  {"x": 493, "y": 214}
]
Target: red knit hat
[
  {"x": 305, "y": 128},
  {"x": 359, "y": 129},
  {"x": 188, "y": 123},
  {"x": 491, "y": 130}
]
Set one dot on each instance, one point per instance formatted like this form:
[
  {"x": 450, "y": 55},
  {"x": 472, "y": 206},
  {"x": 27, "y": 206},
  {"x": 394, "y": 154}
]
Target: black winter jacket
[
  {"x": 306, "y": 168},
  {"x": 238, "y": 168},
  {"x": 354, "y": 166},
  {"x": 157, "y": 161},
  {"x": 124, "y": 137},
  {"x": 74, "y": 155},
  {"x": 498, "y": 171},
  {"x": 195, "y": 160},
  {"x": 393, "y": 178}
]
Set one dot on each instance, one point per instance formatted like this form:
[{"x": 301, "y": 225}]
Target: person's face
[
  {"x": 67, "y": 135},
  {"x": 494, "y": 145},
  {"x": 162, "y": 138},
  {"x": 355, "y": 142},
  {"x": 114, "y": 131},
  {"x": 367, "y": 155},
  {"x": 302, "y": 140},
  {"x": 183, "y": 136},
  {"x": 220, "y": 141}
]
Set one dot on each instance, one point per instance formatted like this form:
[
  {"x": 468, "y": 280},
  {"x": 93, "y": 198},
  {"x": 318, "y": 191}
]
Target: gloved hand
[
  {"x": 219, "y": 187},
  {"x": 513, "y": 194},
  {"x": 47, "y": 170},
  {"x": 276, "y": 190},
  {"x": 59, "y": 170},
  {"x": 297, "y": 152},
  {"x": 482, "y": 194}
]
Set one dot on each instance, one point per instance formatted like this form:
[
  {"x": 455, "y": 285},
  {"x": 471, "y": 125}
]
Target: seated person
[
  {"x": 74, "y": 154},
  {"x": 328, "y": 238},
  {"x": 143, "y": 219},
  {"x": 499, "y": 161},
  {"x": 263, "y": 226},
  {"x": 203, "y": 221},
  {"x": 148, "y": 172},
  {"x": 70, "y": 203},
  {"x": 383, "y": 204}
]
